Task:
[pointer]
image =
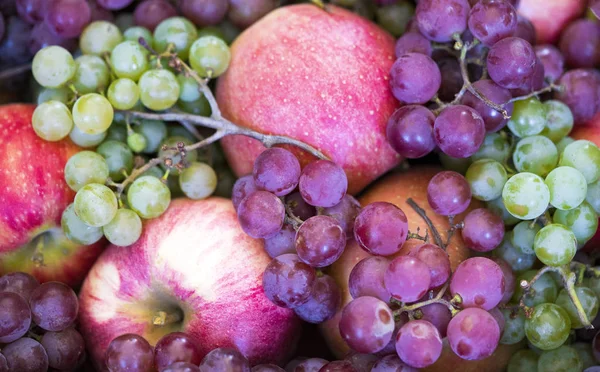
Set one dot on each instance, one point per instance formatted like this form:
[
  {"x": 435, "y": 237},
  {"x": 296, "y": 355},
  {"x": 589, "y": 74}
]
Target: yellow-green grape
[
  {"x": 584, "y": 156},
  {"x": 567, "y": 186},
  {"x": 523, "y": 361},
  {"x": 136, "y": 142},
  {"x": 149, "y": 197},
  {"x": 129, "y": 60},
  {"x": 589, "y": 303},
  {"x": 86, "y": 140},
  {"x": 199, "y": 107},
  {"x": 555, "y": 245},
  {"x": 495, "y": 147},
  {"x": 486, "y": 178},
  {"x": 526, "y": 196},
  {"x": 76, "y": 230},
  {"x": 137, "y": 32},
  {"x": 535, "y": 154},
  {"x": 562, "y": 359},
  {"x": 198, "y": 181},
  {"x": 211, "y": 31},
  {"x": 559, "y": 120},
  {"x": 155, "y": 133},
  {"x": 174, "y": 155},
  {"x": 583, "y": 221},
  {"x": 210, "y": 56},
  {"x": 178, "y": 32},
  {"x": 159, "y": 89},
  {"x": 92, "y": 113},
  {"x": 99, "y": 37},
  {"x": 53, "y": 66},
  {"x": 92, "y": 75},
  {"x": 52, "y": 121},
  {"x": 563, "y": 143},
  {"x": 125, "y": 229},
  {"x": 118, "y": 157},
  {"x": 63, "y": 95},
  {"x": 548, "y": 327},
  {"x": 189, "y": 89},
  {"x": 123, "y": 94},
  {"x": 95, "y": 204},
  {"x": 528, "y": 117},
  {"x": 85, "y": 167}
]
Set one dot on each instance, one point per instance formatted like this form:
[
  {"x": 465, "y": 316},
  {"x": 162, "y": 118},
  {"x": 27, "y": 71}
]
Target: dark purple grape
[
  {"x": 381, "y": 228},
  {"x": 182, "y": 367},
  {"x": 459, "y": 131},
  {"x": 99, "y": 13},
  {"x": 492, "y": 20},
  {"x": 68, "y": 18},
  {"x": 276, "y": 170},
  {"x": 267, "y": 368},
  {"x": 483, "y": 230},
  {"x": 452, "y": 80},
  {"x": 580, "y": 43},
  {"x": 3, "y": 364},
  {"x": 310, "y": 365},
  {"x": 366, "y": 278},
  {"x": 581, "y": 92},
  {"x": 595, "y": 7},
  {"x": 18, "y": 282},
  {"x": 525, "y": 30},
  {"x": 415, "y": 78},
  {"x": 204, "y": 12},
  {"x": 54, "y": 306},
  {"x": 509, "y": 279},
  {"x": 25, "y": 355},
  {"x": 243, "y": 13},
  {"x": 494, "y": 121},
  {"x": 150, "y": 13},
  {"x": 261, "y": 214},
  {"x": 31, "y": 11},
  {"x": 473, "y": 334},
  {"x": 14, "y": 47},
  {"x": 413, "y": 42},
  {"x": 362, "y": 362},
  {"x": 65, "y": 349},
  {"x": 323, "y": 183},
  {"x": 552, "y": 59},
  {"x": 345, "y": 213},
  {"x": 299, "y": 207},
  {"x": 448, "y": 193},
  {"x": 243, "y": 187},
  {"x": 323, "y": 303},
  {"x": 407, "y": 278},
  {"x": 438, "y": 315},
  {"x": 320, "y": 241},
  {"x": 288, "y": 282},
  {"x": 410, "y": 131},
  {"x": 129, "y": 352},
  {"x": 224, "y": 359},
  {"x": 176, "y": 347},
  {"x": 391, "y": 363},
  {"x": 15, "y": 317},
  {"x": 42, "y": 36},
  {"x": 479, "y": 282},
  {"x": 440, "y": 20},
  {"x": 511, "y": 62},
  {"x": 114, "y": 4},
  {"x": 8, "y": 8},
  {"x": 436, "y": 259},
  {"x": 281, "y": 243},
  {"x": 367, "y": 324},
  {"x": 419, "y": 343}
]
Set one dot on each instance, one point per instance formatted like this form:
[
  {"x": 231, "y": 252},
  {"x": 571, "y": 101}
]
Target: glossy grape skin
[
  {"x": 555, "y": 245},
  {"x": 282, "y": 242},
  {"x": 526, "y": 196},
  {"x": 563, "y": 143},
  {"x": 276, "y": 170},
  {"x": 20, "y": 283},
  {"x": 129, "y": 60},
  {"x": 415, "y": 78},
  {"x": 584, "y": 156},
  {"x": 176, "y": 347},
  {"x": 100, "y": 37},
  {"x": 418, "y": 343},
  {"x": 323, "y": 303},
  {"x": 589, "y": 302},
  {"x": 26, "y": 355},
  {"x": 225, "y": 359},
  {"x": 42, "y": 36},
  {"x": 407, "y": 278},
  {"x": 473, "y": 334},
  {"x": 581, "y": 92},
  {"x": 491, "y": 21},
  {"x": 583, "y": 221},
  {"x": 119, "y": 158},
  {"x": 210, "y": 56},
  {"x": 323, "y": 183},
  {"x": 123, "y": 94},
  {"x": 552, "y": 59},
  {"x": 67, "y": 18},
  {"x": 53, "y": 66},
  {"x": 580, "y": 44},
  {"x": 124, "y": 229},
  {"x": 179, "y": 32},
  {"x": 494, "y": 121},
  {"x": 381, "y": 228},
  {"x": 514, "y": 327},
  {"x": 436, "y": 259},
  {"x": 366, "y": 278},
  {"x": 52, "y": 121},
  {"x": 410, "y": 131},
  {"x": 535, "y": 154},
  {"x": 559, "y": 120},
  {"x": 345, "y": 212},
  {"x": 511, "y": 62},
  {"x": 568, "y": 187},
  {"x": 204, "y": 12},
  {"x": 412, "y": 42},
  {"x": 95, "y": 204},
  {"x": 523, "y": 361},
  {"x": 242, "y": 187},
  {"x": 64, "y": 348},
  {"x": 93, "y": 113},
  {"x": 486, "y": 178},
  {"x": 480, "y": 283},
  {"x": 287, "y": 281},
  {"x": 16, "y": 316},
  {"x": 85, "y": 167},
  {"x": 529, "y": 117},
  {"x": 448, "y": 193},
  {"x": 439, "y": 20},
  {"x": 320, "y": 241},
  {"x": 459, "y": 131},
  {"x": 548, "y": 327},
  {"x": 261, "y": 214},
  {"x": 366, "y": 324},
  {"x": 78, "y": 231},
  {"x": 92, "y": 75},
  {"x": 483, "y": 230},
  {"x": 149, "y": 197},
  {"x": 155, "y": 133},
  {"x": 159, "y": 89},
  {"x": 54, "y": 306},
  {"x": 129, "y": 352}
]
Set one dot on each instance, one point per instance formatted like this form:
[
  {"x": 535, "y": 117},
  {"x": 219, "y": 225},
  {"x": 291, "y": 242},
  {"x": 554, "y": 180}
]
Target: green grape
[
  {"x": 129, "y": 60},
  {"x": 525, "y": 196},
  {"x": 149, "y": 197},
  {"x": 99, "y": 37},
  {"x": 125, "y": 229},
  {"x": 517, "y": 260},
  {"x": 514, "y": 327},
  {"x": 486, "y": 178},
  {"x": 85, "y": 167},
  {"x": 52, "y": 121},
  {"x": 230, "y": 31},
  {"x": 155, "y": 133},
  {"x": 563, "y": 143},
  {"x": 528, "y": 117},
  {"x": 123, "y": 94},
  {"x": 548, "y": 327},
  {"x": 159, "y": 89},
  {"x": 584, "y": 350},
  {"x": 92, "y": 113},
  {"x": 497, "y": 206},
  {"x": 177, "y": 130},
  {"x": 226, "y": 181},
  {"x": 559, "y": 120},
  {"x": 76, "y": 230},
  {"x": 555, "y": 245},
  {"x": 395, "y": 17},
  {"x": 174, "y": 187},
  {"x": 583, "y": 221},
  {"x": 211, "y": 31},
  {"x": 543, "y": 290},
  {"x": 189, "y": 89},
  {"x": 124, "y": 20},
  {"x": 585, "y": 157},
  {"x": 154, "y": 172},
  {"x": 589, "y": 302},
  {"x": 562, "y": 359},
  {"x": 523, "y": 361},
  {"x": 210, "y": 56},
  {"x": 134, "y": 34},
  {"x": 96, "y": 204},
  {"x": 593, "y": 195},
  {"x": 198, "y": 181},
  {"x": 495, "y": 147},
  {"x": 568, "y": 187},
  {"x": 63, "y": 95},
  {"x": 199, "y": 107},
  {"x": 593, "y": 284},
  {"x": 535, "y": 154},
  {"x": 117, "y": 132},
  {"x": 523, "y": 235},
  {"x": 172, "y": 142},
  {"x": 53, "y": 66},
  {"x": 86, "y": 140},
  {"x": 459, "y": 165},
  {"x": 177, "y": 31},
  {"x": 92, "y": 75},
  {"x": 118, "y": 157},
  {"x": 136, "y": 142}
]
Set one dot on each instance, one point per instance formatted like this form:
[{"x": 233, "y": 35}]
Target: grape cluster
[{"x": 37, "y": 328}]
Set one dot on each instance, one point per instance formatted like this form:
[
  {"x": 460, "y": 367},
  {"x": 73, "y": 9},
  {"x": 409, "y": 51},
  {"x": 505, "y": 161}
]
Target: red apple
[
  {"x": 195, "y": 264},
  {"x": 550, "y": 17},
  {"x": 318, "y": 76},
  {"x": 33, "y": 195}
]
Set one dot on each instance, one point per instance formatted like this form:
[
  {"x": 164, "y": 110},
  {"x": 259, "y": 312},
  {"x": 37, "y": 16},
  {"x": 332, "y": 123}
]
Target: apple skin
[
  {"x": 318, "y": 76},
  {"x": 33, "y": 195},
  {"x": 195, "y": 257},
  {"x": 550, "y": 17}
]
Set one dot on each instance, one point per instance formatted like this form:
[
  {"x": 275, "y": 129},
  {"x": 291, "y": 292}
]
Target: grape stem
[
  {"x": 421, "y": 212},
  {"x": 290, "y": 217},
  {"x": 418, "y": 235},
  {"x": 14, "y": 71},
  {"x": 435, "y": 300}
]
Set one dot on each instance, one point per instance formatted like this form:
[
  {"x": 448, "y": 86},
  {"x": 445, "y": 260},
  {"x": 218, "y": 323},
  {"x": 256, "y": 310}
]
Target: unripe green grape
[
  {"x": 514, "y": 327},
  {"x": 523, "y": 235},
  {"x": 189, "y": 88},
  {"x": 149, "y": 197},
  {"x": 593, "y": 195},
  {"x": 495, "y": 147},
  {"x": 53, "y": 66},
  {"x": 92, "y": 113},
  {"x": 86, "y": 140},
  {"x": 92, "y": 75},
  {"x": 129, "y": 60},
  {"x": 486, "y": 178},
  {"x": 159, "y": 89},
  {"x": 583, "y": 221},
  {"x": 584, "y": 156},
  {"x": 124, "y": 20},
  {"x": 589, "y": 303},
  {"x": 179, "y": 32},
  {"x": 210, "y": 56},
  {"x": 535, "y": 154},
  {"x": 568, "y": 187},
  {"x": 584, "y": 350},
  {"x": 52, "y": 121},
  {"x": 84, "y": 168},
  {"x": 95, "y": 204},
  {"x": 177, "y": 130},
  {"x": 395, "y": 17},
  {"x": 548, "y": 327},
  {"x": 118, "y": 157},
  {"x": 528, "y": 117},
  {"x": 593, "y": 284},
  {"x": 99, "y": 37},
  {"x": 211, "y": 31},
  {"x": 555, "y": 245},
  {"x": 136, "y": 142},
  {"x": 559, "y": 120},
  {"x": 137, "y": 32},
  {"x": 198, "y": 181},
  {"x": 155, "y": 133},
  {"x": 517, "y": 260},
  {"x": 63, "y": 95},
  {"x": 117, "y": 132},
  {"x": 154, "y": 172},
  {"x": 125, "y": 229},
  {"x": 564, "y": 358},
  {"x": 199, "y": 107},
  {"x": 123, "y": 94},
  {"x": 171, "y": 142},
  {"x": 459, "y": 165},
  {"x": 543, "y": 290},
  {"x": 523, "y": 361},
  {"x": 525, "y": 196},
  {"x": 497, "y": 206},
  {"x": 563, "y": 143},
  {"x": 76, "y": 230}
]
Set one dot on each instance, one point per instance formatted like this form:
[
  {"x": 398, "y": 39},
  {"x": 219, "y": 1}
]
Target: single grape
[
  {"x": 243, "y": 187},
  {"x": 523, "y": 235},
  {"x": 178, "y": 32},
  {"x": 367, "y": 278},
  {"x": 281, "y": 243},
  {"x": 366, "y": 324},
  {"x": 559, "y": 120},
  {"x": 137, "y": 32},
  {"x": 324, "y": 301},
  {"x": 149, "y": 197},
  {"x": 86, "y": 140},
  {"x": 129, "y": 60},
  {"x": 309, "y": 365},
  {"x": 568, "y": 187},
  {"x": 415, "y": 78},
  {"x": 523, "y": 361},
  {"x": 548, "y": 327},
  {"x": 198, "y": 180},
  {"x": 526, "y": 196},
  {"x": 199, "y": 107},
  {"x": 124, "y": 229},
  {"x": 261, "y": 214},
  {"x": 62, "y": 94},
  {"x": 323, "y": 183},
  {"x": 494, "y": 120},
  {"x": 483, "y": 230},
  {"x": 410, "y": 131},
  {"x": 288, "y": 282},
  {"x": 176, "y": 347},
  {"x": 85, "y": 167},
  {"x": 552, "y": 60},
  {"x": 584, "y": 156},
  {"x": 64, "y": 349},
  {"x": 564, "y": 358},
  {"x": 92, "y": 75},
  {"x": 67, "y": 18},
  {"x": 204, "y": 12},
  {"x": 136, "y": 142},
  {"x": 473, "y": 334},
  {"x": 535, "y": 154},
  {"x": 528, "y": 118},
  {"x": 412, "y": 42},
  {"x": 381, "y": 228},
  {"x": 345, "y": 212},
  {"x": 119, "y": 158},
  {"x": 582, "y": 221},
  {"x": 76, "y": 230},
  {"x": 92, "y": 113},
  {"x": 159, "y": 89},
  {"x": 511, "y": 62},
  {"x": 129, "y": 352},
  {"x": 419, "y": 343},
  {"x": 320, "y": 241},
  {"x": 486, "y": 178},
  {"x": 95, "y": 204},
  {"x": 580, "y": 43},
  {"x": 150, "y": 13},
  {"x": 441, "y": 20},
  {"x": 480, "y": 283},
  {"x": 459, "y": 131},
  {"x": 243, "y": 13},
  {"x": 514, "y": 327},
  {"x": 276, "y": 170},
  {"x": 491, "y": 21},
  {"x": 52, "y": 121},
  {"x": 581, "y": 92},
  {"x": 15, "y": 315},
  {"x": 589, "y": 303},
  {"x": 436, "y": 259},
  {"x": 555, "y": 245},
  {"x": 25, "y": 355},
  {"x": 123, "y": 94},
  {"x": 494, "y": 147},
  {"x": 448, "y": 193},
  {"x": 54, "y": 306},
  {"x": 20, "y": 283},
  {"x": 407, "y": 278},
  {"x": 210, "y": 56},
  {"x": 543, "y": 290}
]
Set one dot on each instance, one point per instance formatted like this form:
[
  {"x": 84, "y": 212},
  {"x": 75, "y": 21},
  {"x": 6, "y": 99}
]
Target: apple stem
[
  {"x": 162, "y": 318},
  {"x": 14, "y": 71},
  {"x": 421, "y": 212}
]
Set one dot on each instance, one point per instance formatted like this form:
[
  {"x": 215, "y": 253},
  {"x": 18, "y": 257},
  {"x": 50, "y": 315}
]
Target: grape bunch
[{"x": 37, "y": 330}]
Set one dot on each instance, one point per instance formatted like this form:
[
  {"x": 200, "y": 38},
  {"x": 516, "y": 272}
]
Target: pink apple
[
  {"x": 195, "y": 266},
  {"x": 33, "y": 195},
  {"x": 550, "y": 17},
  {"x": 318, "y": 76}
]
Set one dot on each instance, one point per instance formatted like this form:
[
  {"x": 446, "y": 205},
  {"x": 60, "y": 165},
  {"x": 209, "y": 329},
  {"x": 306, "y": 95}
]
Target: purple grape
[
  {"x": 479, "y": 282},
  {"x": 410, "y": 131},
  {"x": 288, "y": 282},
  {"x": 473, "y": 334},
  {"x": 511, "y": 62},
  {"x": 282, "y": 242},
  {"x": 581, "y": 92},
  {"x": 595, "y": 7},
  {"x": 419, "y": 344},
  {"x": 366, "y": 278},
  {"x": 261, "y": 214},
  {"x": 299, "y": 207},
  {"x": 413, "y": 42},
  {"x": 448, "y": 193},
  {"x": 483, "y": 230},
  {"x": 99, "y": 13},
  {"x": 436, "y": 260},
  {"x": 3, "y": 364},
  {"x": 243, "y": 13},
  {"x": 362, "y": 362},
  {"x": 267, "y": 368},
  {"x": 320, "y": 241},
  {"x": 509, "y": 280},
  {"x": 65, "y": 349},
  {"x": 492, "y": 20},
  {"x": 114, "y": 4},
  {"x": 525, "y": 30},
  {"x": 276, "y": 170},
  {"x": 580, "y": 43},
  {"x": 552, "y": 60},
  {"x": 367, "y": 324},
  {"x": 440, "y": 20},
  {"x": 310, "y": 365},
  {"x": 323, "y": 183},
  {"x": 391, "y": 363},
  {"x": 26, "y": 355},
  {"x": 345, "y": 213},
  {"x": 381, "y": 228},
  {"x": 8, "y": 8},
  {"x": 499, "y": 317},
  {"x": 15, "y": 317},
  {"x": 415, "y": 78},
  {"x": 407, "y": 278},
  {"x": 176, "y": 347},
  {"x": 243, "y": 187},
  {"x": 42, "y": 36},
  {"x": 225, "y": 359},
  {"x": 204, "y": 12},
  {"x": 14, "y": 47},
  {"x": 150, "y": 13},
  {"x": 54, "y": 306},
  {"x": 459, "y": 131},
  {"x": 438, "y": 315},
  {"x": 129, "y": 352},
  {"x": 31, "y": 11},
  {"x": 18, "y": 282},
  {"x": 494, "y": 121},
  {"x": 182, "y": 367},
  {"x": 68, "y": 18},
  {"x": 323, "y": 303},
  {"x": 535, "y": 81},
  {"x": 452, "y": 80}
]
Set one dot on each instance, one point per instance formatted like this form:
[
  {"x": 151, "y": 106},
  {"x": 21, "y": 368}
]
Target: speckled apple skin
[
  {"x": 320, "y": 77},
  {"x": 197, "y": 255},
  {"x": 550, "y": 17}
]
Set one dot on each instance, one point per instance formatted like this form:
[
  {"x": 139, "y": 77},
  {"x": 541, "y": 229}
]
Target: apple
[
  {"x": 33, "y": 195},
  {"x": 193, "y": 270},
  {"x": 550, "y": 17},
  {"x": 319, "y": 76}
]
